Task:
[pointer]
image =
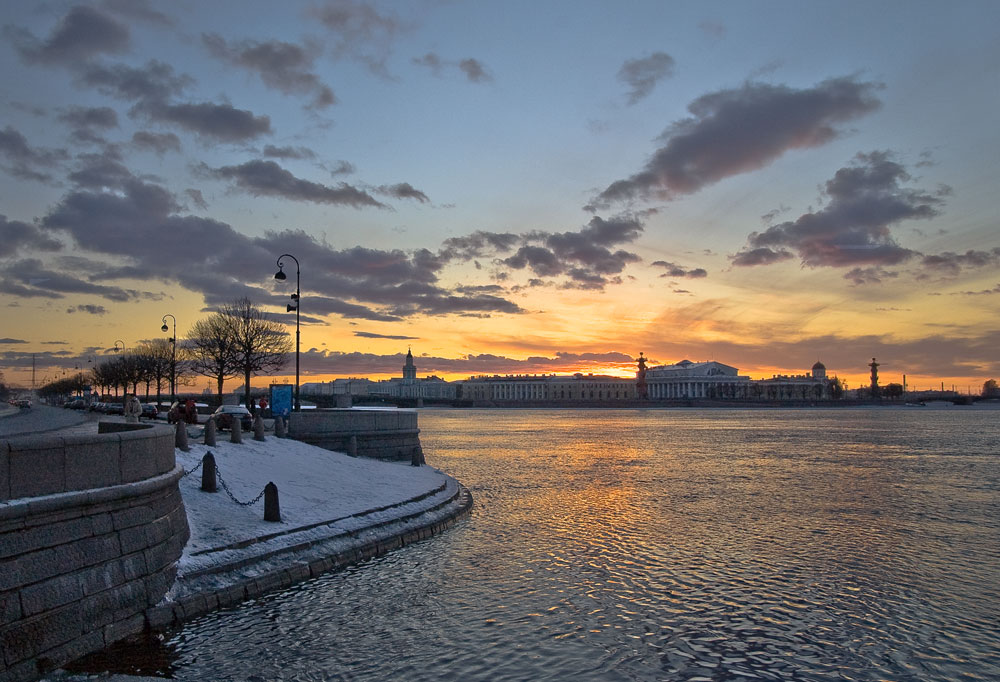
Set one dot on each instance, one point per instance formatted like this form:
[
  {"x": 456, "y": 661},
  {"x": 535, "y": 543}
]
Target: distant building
[
  {"x": 409, "y": 386},
  {"x": 547, "y": 388},
  {"x": 687, "y": 380},
  {"x": 814, "y": 386}
]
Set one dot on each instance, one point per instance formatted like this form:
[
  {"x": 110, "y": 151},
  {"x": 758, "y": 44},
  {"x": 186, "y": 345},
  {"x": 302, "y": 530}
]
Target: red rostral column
[{"x": 640, "y": 379}]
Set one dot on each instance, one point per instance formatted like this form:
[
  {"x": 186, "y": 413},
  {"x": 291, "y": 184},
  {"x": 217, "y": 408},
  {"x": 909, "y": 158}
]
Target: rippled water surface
[{"x": 660, "y": 545}]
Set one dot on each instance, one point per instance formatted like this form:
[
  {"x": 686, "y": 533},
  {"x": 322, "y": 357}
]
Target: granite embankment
[
  {"x": 126, "y": 539},
  {"x": 91, "y": 528}
]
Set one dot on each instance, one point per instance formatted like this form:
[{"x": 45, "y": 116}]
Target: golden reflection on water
[{"x": 662, "y": 545}]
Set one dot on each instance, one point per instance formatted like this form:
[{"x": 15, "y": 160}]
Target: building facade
[
  {"x": 547, "y": 388},
  {"x": 688, "y": 380}
]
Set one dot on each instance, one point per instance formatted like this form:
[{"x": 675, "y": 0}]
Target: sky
[{"x": 510, "y": 188}]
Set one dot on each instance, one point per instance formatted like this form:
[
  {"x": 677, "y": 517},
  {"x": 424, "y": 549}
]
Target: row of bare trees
[{"x": 237, "y": 341}]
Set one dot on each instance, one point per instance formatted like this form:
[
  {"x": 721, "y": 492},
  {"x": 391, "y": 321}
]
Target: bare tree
[
  {"x": 260, "y": 345},
  {"x": 155, "y": 359},
  {"x": 211, "y": 350}
]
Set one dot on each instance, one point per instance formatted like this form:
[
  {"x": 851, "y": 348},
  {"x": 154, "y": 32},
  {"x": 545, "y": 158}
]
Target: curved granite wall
[
  {"x": 91, "y": 527},
  {"x": 379, "y": 434}
]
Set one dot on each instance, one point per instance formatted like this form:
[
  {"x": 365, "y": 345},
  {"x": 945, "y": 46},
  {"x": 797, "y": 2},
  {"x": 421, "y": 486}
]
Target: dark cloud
[
  {"x": 29, "y": 278},
  {"x": 139, "y": 230},
  {"x": 342, "y": 168},
  {"x": 478, "y": 244},
  {"x": 155, "y": 81},
  {"x": 585, "y": 257},
  {"x": 267, "y": 178},
  {"x": 393, "y": 337},
  {"x": 272, "y": 152},
  {"x": 359, "y": 32},
  {"x": 197, "y": 198},
  {"x": 89, "y": 118},
  {"x": 285, "y": 67},
  {"x": 642, "y": 75},
  {"x": 139, "y": 10},
  {"x": 982, "y": 292},
  {"x": 740, "y": 130},
  {"x": 949, "y": 263},
  {"x": 760, "y": 256},
  {"x": 853, "y": 228},
  {"x": 160, "y": 143},
  {"x": 24, "y": 161},
  {"x": 89, "y": 309},
  {"x": 15, "y": 235},
  {"x": 96, "y": 171},
  {"x": 403, "y": 190},
  {"x": 431, "y": 61},
  {"x": 871, "y": 275},
  {"x": 474, "y": 70},
  {"x": 222, "y": 122},
  {"x": 83, "y": 33},
  {"x": 674, "y": 270},
  {"x": 12, "y": 341}
]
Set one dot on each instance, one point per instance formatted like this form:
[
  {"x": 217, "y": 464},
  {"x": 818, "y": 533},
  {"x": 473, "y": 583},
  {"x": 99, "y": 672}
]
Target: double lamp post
[{"x": 280, "y": 275}]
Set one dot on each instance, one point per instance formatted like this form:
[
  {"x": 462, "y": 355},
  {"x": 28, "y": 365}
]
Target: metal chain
[
  {"x": 188, "y": 473},
  {"x": 218, "y": 474}
]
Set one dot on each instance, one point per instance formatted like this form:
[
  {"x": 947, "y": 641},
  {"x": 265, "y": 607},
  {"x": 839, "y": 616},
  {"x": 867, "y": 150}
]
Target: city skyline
[{"x": 515, "y": 189}]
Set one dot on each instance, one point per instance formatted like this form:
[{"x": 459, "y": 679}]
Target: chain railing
[{"x": 218, "y": 475}]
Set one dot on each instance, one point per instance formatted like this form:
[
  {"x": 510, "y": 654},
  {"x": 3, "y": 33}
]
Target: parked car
[
  {"x": 76, "y": 404},
  {"x": 149, "y": 411},
  {"x": 114, "y": 408},
  {"x": 24, "y": 403},
  {"x": 225, "y": 415}
]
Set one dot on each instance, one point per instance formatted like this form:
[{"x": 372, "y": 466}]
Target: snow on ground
[{"x": 323, "y": 496}]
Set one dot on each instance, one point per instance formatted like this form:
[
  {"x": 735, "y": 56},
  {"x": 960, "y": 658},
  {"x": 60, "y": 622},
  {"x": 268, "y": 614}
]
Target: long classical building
[
  {"x": 547, "y": 388},
  {"x": 684, "y": 380}
]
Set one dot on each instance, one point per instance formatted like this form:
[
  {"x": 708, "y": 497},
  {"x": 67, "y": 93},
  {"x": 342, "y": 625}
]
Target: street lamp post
[
  {"x": 122, "y": 343},
  {"x": 173, "y": 357},
  {"x": 280, "y": 275}
]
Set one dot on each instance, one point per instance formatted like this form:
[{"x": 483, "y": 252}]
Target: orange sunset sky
[{"x": 513, "y": 187}]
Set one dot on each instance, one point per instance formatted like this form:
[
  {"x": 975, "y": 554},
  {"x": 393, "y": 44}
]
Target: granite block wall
[
  {"x": 379, "y": 434},
  {"x": 91, "y": 527}
]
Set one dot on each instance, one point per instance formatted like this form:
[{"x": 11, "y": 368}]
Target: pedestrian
[
  {"x": 190, "y": 413},
  {"x": 263, "y": 406},
  {"x": 132, "y": 409}
]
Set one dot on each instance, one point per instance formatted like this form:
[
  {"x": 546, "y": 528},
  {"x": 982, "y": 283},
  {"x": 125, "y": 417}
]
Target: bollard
[
  {"x": 271, "y": 510},
  {"x": 209, "y": 482},
  {"x": 258, "y": 427},
  {"x": 181, "y": 436},
  {"x": 279, "y": 427},
  {"x": 352, "y": 446},
  {"x": 236, "y": 430},
  {"x": 415, "y": 457},
  {"x": 210, "y": 432}
]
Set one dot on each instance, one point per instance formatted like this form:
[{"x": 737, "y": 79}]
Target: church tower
[{"x": 409, "y": 370}]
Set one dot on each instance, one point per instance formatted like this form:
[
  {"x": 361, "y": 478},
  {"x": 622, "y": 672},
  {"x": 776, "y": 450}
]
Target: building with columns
[
  {"x": 688, "y": 380},
  {"x": 547, "y": 388}
]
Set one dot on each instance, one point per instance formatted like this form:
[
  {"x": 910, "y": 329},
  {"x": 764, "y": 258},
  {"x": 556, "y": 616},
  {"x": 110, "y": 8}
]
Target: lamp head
[
  {"x": 295, "y": 297},
  {"x": 164, "y": 327},
  {"x": 291, "y": 308},
  {"x": 280, "y": 274}
]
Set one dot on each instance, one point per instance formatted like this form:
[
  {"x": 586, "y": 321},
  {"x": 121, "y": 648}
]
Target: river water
[{"x": 837, "y": 544}]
